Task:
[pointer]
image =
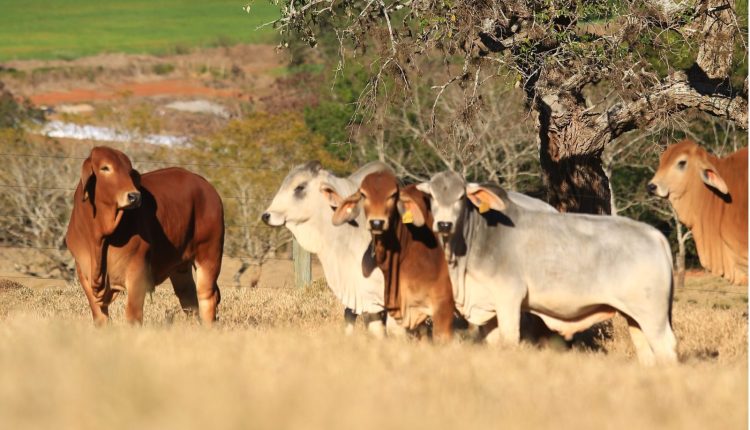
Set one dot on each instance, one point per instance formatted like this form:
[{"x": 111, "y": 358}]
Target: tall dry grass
[{"x": 279, "y": 360}]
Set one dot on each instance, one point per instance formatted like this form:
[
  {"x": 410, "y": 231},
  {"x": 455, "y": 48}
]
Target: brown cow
[
  {"x": 129, "y": 232},
  {"x": 709, "y": 195},
  {"x": 417, "y": 283}
]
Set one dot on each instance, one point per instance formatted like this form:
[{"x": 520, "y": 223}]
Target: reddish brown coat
[
  {"x": 417, "y": 282},
  {"x": 709, "y": 195},
  {"x": 132, "y": 232}
]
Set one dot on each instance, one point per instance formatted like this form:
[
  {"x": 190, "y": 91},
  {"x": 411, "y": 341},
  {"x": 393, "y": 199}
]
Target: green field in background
[{"x": 68, "y": 29}]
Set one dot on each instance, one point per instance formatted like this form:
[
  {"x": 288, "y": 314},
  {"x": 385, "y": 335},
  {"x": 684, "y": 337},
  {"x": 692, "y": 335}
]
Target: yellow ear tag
[
  {"x": 484, "y": 207},
  {"x": 408, "y": 217}
]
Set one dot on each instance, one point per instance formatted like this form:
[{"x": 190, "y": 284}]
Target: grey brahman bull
[{"x": 572, "y": 270}]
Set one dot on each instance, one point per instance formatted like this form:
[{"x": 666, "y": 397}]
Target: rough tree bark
[{"x": 570, "y": 153}]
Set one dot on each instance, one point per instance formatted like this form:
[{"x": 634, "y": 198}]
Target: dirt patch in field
[
  {"x": 131, "y": 92},
  {"x": 244, "y": 72},
  {"x": 167, "y": 87}
]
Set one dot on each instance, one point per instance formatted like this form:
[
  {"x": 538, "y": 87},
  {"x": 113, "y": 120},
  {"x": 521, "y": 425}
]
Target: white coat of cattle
[
  {"x": 572, "y": 270},
  {"x": 304, "y": 204}
]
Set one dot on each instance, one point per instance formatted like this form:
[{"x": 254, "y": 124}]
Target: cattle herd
[{"x": 399, "y": 255}]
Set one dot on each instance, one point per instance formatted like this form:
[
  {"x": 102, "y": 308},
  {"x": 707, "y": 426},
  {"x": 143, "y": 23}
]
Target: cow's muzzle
[
  {"x": 444, "y": 227},
  {"x": 377, "y": 226},
  {"x": 133, "y": 200},
  {"x": 266, "y": 218},
  {"x": 654, "y": 189}
]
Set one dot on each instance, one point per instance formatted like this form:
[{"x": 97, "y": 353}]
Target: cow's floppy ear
[
  {"x": 348, "y": 210},
  {"x": 425, "y": 188},
  {"x": 87, "y": 171},
  {"x": 711, "y": 177},
  {"x": 484, "y": 199},
  {"x": 410, "y": 211},
  {"x": 329, "y": 193},
  {"x": 136, "y": 177}
]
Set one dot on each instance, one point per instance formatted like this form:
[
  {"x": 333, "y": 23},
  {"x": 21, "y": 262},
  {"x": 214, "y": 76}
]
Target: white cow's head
[
  {"x": 304, "y": 194},
  {"x": 307, "y": 199},
  {"x": 450, "y": 194}
]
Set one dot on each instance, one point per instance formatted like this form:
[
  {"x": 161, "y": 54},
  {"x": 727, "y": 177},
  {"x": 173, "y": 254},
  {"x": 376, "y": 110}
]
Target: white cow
[
  {"x": 304, "y": 204},
  {"x": 572, "y": 270}
]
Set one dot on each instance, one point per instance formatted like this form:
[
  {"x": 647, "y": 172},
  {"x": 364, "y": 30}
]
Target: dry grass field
[{"x": 278, "y": 359}]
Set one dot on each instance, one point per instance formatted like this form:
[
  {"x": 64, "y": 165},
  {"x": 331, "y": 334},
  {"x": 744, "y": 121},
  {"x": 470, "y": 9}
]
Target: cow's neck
[
  {"x": 693, "y": 204},
  {"x": 701, "y": 210}
]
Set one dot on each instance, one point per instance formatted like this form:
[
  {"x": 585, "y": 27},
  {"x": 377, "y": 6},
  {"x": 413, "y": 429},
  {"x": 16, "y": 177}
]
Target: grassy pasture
[
  {"x": 74, "y": 28},
  {"x": 279, "y": 360}
]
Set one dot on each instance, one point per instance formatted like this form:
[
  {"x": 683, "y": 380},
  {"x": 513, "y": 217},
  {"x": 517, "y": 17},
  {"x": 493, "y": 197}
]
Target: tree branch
[{"x": 676, "y": 94}]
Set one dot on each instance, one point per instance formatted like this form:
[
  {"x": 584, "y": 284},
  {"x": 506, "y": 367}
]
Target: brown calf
[
  {"x": 417, "y": 283},
  {"x": 129, "y": 232}
]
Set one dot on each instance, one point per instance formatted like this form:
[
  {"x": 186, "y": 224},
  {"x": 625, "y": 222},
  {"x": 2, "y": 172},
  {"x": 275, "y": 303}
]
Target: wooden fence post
[{"x": 302, "y": 267}]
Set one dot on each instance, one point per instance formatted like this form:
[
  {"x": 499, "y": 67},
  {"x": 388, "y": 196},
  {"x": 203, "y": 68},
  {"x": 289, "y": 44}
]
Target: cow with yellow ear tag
[
  {"x": 404, "y": 249},
  {"x": 513, "y": 253}
]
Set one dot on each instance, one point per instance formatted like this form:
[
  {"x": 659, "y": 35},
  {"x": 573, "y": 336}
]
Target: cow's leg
[
  {"x": 350, "y": 318},
  {"x": 99, "y": 311},
  {"x": 207, "y": 290},
  {"x": 374, "y": 323},
  {"x": 184, "y": 288},
  {"x": 442, "y": 322},
  {"x": 488, "y": 332},
  {"x": 508, "y": 300},
  {"x": 642, "y": 348},
  {"x": 138, "y": 283},
  {"x": 393, "y": 328},
  {"x": 662, "y": 341}
]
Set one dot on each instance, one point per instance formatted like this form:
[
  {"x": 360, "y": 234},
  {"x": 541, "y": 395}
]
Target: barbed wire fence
[{"x": 60, "y": 190}]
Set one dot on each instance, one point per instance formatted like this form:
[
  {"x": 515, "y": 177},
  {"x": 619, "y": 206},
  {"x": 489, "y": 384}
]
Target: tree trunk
[{"x": 570, "y": 152}]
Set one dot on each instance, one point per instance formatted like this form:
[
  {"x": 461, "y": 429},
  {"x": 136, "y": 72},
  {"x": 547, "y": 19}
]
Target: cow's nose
[
  {"x": 376, "y": 224},
  {"x": 134, "y": 199},
  {"x": 444, "y": 226},
  {"x": 651, "y": 187},
  {"x": 266, "y": 217}
]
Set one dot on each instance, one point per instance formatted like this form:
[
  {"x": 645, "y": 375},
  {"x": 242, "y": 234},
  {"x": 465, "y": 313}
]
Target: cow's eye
[
  {"x": 299, "y": 188},
  {"x": 105, "y": 169},
  {"x": 681, "y": 165}
]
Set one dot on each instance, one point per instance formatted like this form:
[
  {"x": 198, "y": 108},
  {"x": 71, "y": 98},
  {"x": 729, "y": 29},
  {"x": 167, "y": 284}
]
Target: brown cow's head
[
  {"x": 110, "y": 183},
  {"x": 382, "y": 199},
  {"x": 683, "y": 166}
]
